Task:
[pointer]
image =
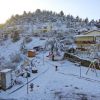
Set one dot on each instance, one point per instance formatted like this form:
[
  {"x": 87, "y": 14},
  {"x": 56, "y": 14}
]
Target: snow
[
  {"x": 36, "y": 42},
  {"x": 9, "y": 48},
  {"x": 49, "y": 84},
  {"x": 5, "y": 70},
  {"x": 88, "y": 35}
]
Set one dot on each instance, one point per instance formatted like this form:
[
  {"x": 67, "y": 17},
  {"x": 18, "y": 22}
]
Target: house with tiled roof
[{"x": 88, "y": 39}]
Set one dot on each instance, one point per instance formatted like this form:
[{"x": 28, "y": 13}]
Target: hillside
[{"x": 28, "y": 22}]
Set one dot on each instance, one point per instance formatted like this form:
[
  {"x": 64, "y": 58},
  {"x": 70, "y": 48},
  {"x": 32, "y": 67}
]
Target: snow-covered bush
[
  {"x": 10, "y": 65},
  {"x": 15, "y": 36},
  {"x": 15, "y": 58},
  {"x": 6, "y": 64},
  {"x": 28, "y": 39}
]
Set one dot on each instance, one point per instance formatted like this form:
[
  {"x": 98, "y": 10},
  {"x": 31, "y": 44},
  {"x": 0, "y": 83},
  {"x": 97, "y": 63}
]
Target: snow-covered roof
[
  {"x": 91, "y": 31},
  {"x": 95, "y": 35},
  {"x": 32, "y": 50},
  {"x": 6, "y": 70},
  {"x": 92, "y": 34}
]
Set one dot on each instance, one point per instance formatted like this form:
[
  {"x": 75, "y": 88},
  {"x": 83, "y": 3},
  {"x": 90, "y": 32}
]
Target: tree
[
  {"x": 1, "y": 26},
  {"x": 24, "y": 13},
  {"x": 77, "y": 18},
  {"x": 61, "y": 13},
  {"x": 72, "y": 18},
  {"x": 92, "y": 22},
  {"x": 29, "y": 14},
  {"x": 17, "y": 16},
  {"x": 15, "y": 36},
  {"x": 38, "y": 11},
  {"x": 99, "y": 20},
  {"x": 86, "y": 20}
]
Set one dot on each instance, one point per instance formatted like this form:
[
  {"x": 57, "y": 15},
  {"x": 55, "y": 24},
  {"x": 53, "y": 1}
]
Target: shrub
[
  {"x": 6, "y": 64},
  {"x": 15, "y": 58},
  {"x": 15, "y": 36},
  {"x": 28, "y": 39},
  {"x": 10, "y": 65}
]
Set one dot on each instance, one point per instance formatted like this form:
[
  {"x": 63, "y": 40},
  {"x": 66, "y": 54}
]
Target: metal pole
[
  {"x": 27, "y": 82},
  {"x": 43, "y": 58},
  {"x": 80, "y": 71}
]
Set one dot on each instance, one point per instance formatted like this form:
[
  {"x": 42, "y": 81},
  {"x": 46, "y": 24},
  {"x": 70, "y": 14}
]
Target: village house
[{"x": 88, "y": 39}]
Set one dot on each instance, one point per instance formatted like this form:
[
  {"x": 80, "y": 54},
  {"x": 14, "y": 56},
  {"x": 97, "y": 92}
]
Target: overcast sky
[{"x": 82, "y": 8}]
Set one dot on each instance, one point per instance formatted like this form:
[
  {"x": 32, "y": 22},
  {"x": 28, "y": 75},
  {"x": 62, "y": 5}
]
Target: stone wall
[{"x": 76, "y": 59}]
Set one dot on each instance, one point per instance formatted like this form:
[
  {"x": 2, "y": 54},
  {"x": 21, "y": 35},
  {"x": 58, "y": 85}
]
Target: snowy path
[
  {"x": 42, "y": 79},
  {"x": 30, "y": 81}
]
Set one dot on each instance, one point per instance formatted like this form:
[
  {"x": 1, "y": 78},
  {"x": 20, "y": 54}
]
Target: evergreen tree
[
  {"x": 38, "y": 11},
  {"x": 61, "y": 13},
  {"x": 86, "y": 20},
  {"x": 77, "y": 18},
  {"x": 15, "y": 36}
]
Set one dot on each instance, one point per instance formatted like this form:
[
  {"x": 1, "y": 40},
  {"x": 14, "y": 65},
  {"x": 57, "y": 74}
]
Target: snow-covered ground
[{"x": 49, "y": 84}]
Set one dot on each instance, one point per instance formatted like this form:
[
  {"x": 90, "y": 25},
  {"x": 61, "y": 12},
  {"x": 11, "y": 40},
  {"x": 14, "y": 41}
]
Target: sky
[{"x": 81, "y": 8}]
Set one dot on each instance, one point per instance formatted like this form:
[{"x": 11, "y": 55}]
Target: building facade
[{"x": 88, "y": 39}]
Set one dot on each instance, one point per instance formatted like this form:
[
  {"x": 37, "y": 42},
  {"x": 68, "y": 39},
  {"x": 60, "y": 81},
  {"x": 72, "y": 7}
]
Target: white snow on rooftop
[
  {"x": 95, "y": 35},
  {"x": 5, "y": 70}
]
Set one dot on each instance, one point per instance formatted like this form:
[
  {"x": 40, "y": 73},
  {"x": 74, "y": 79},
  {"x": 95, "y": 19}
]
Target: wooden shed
[
  {"x": 5, "y": 79},
  {"x": 31, "y": 53}
]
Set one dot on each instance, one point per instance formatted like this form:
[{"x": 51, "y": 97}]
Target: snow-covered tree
[{"x": 61, "y": 13}]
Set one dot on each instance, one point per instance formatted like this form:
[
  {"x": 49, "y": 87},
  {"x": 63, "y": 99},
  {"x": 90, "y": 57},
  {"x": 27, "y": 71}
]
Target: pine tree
[
  {"x": 15, "y": 36},
  {"x": 61, "y": 13}
]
